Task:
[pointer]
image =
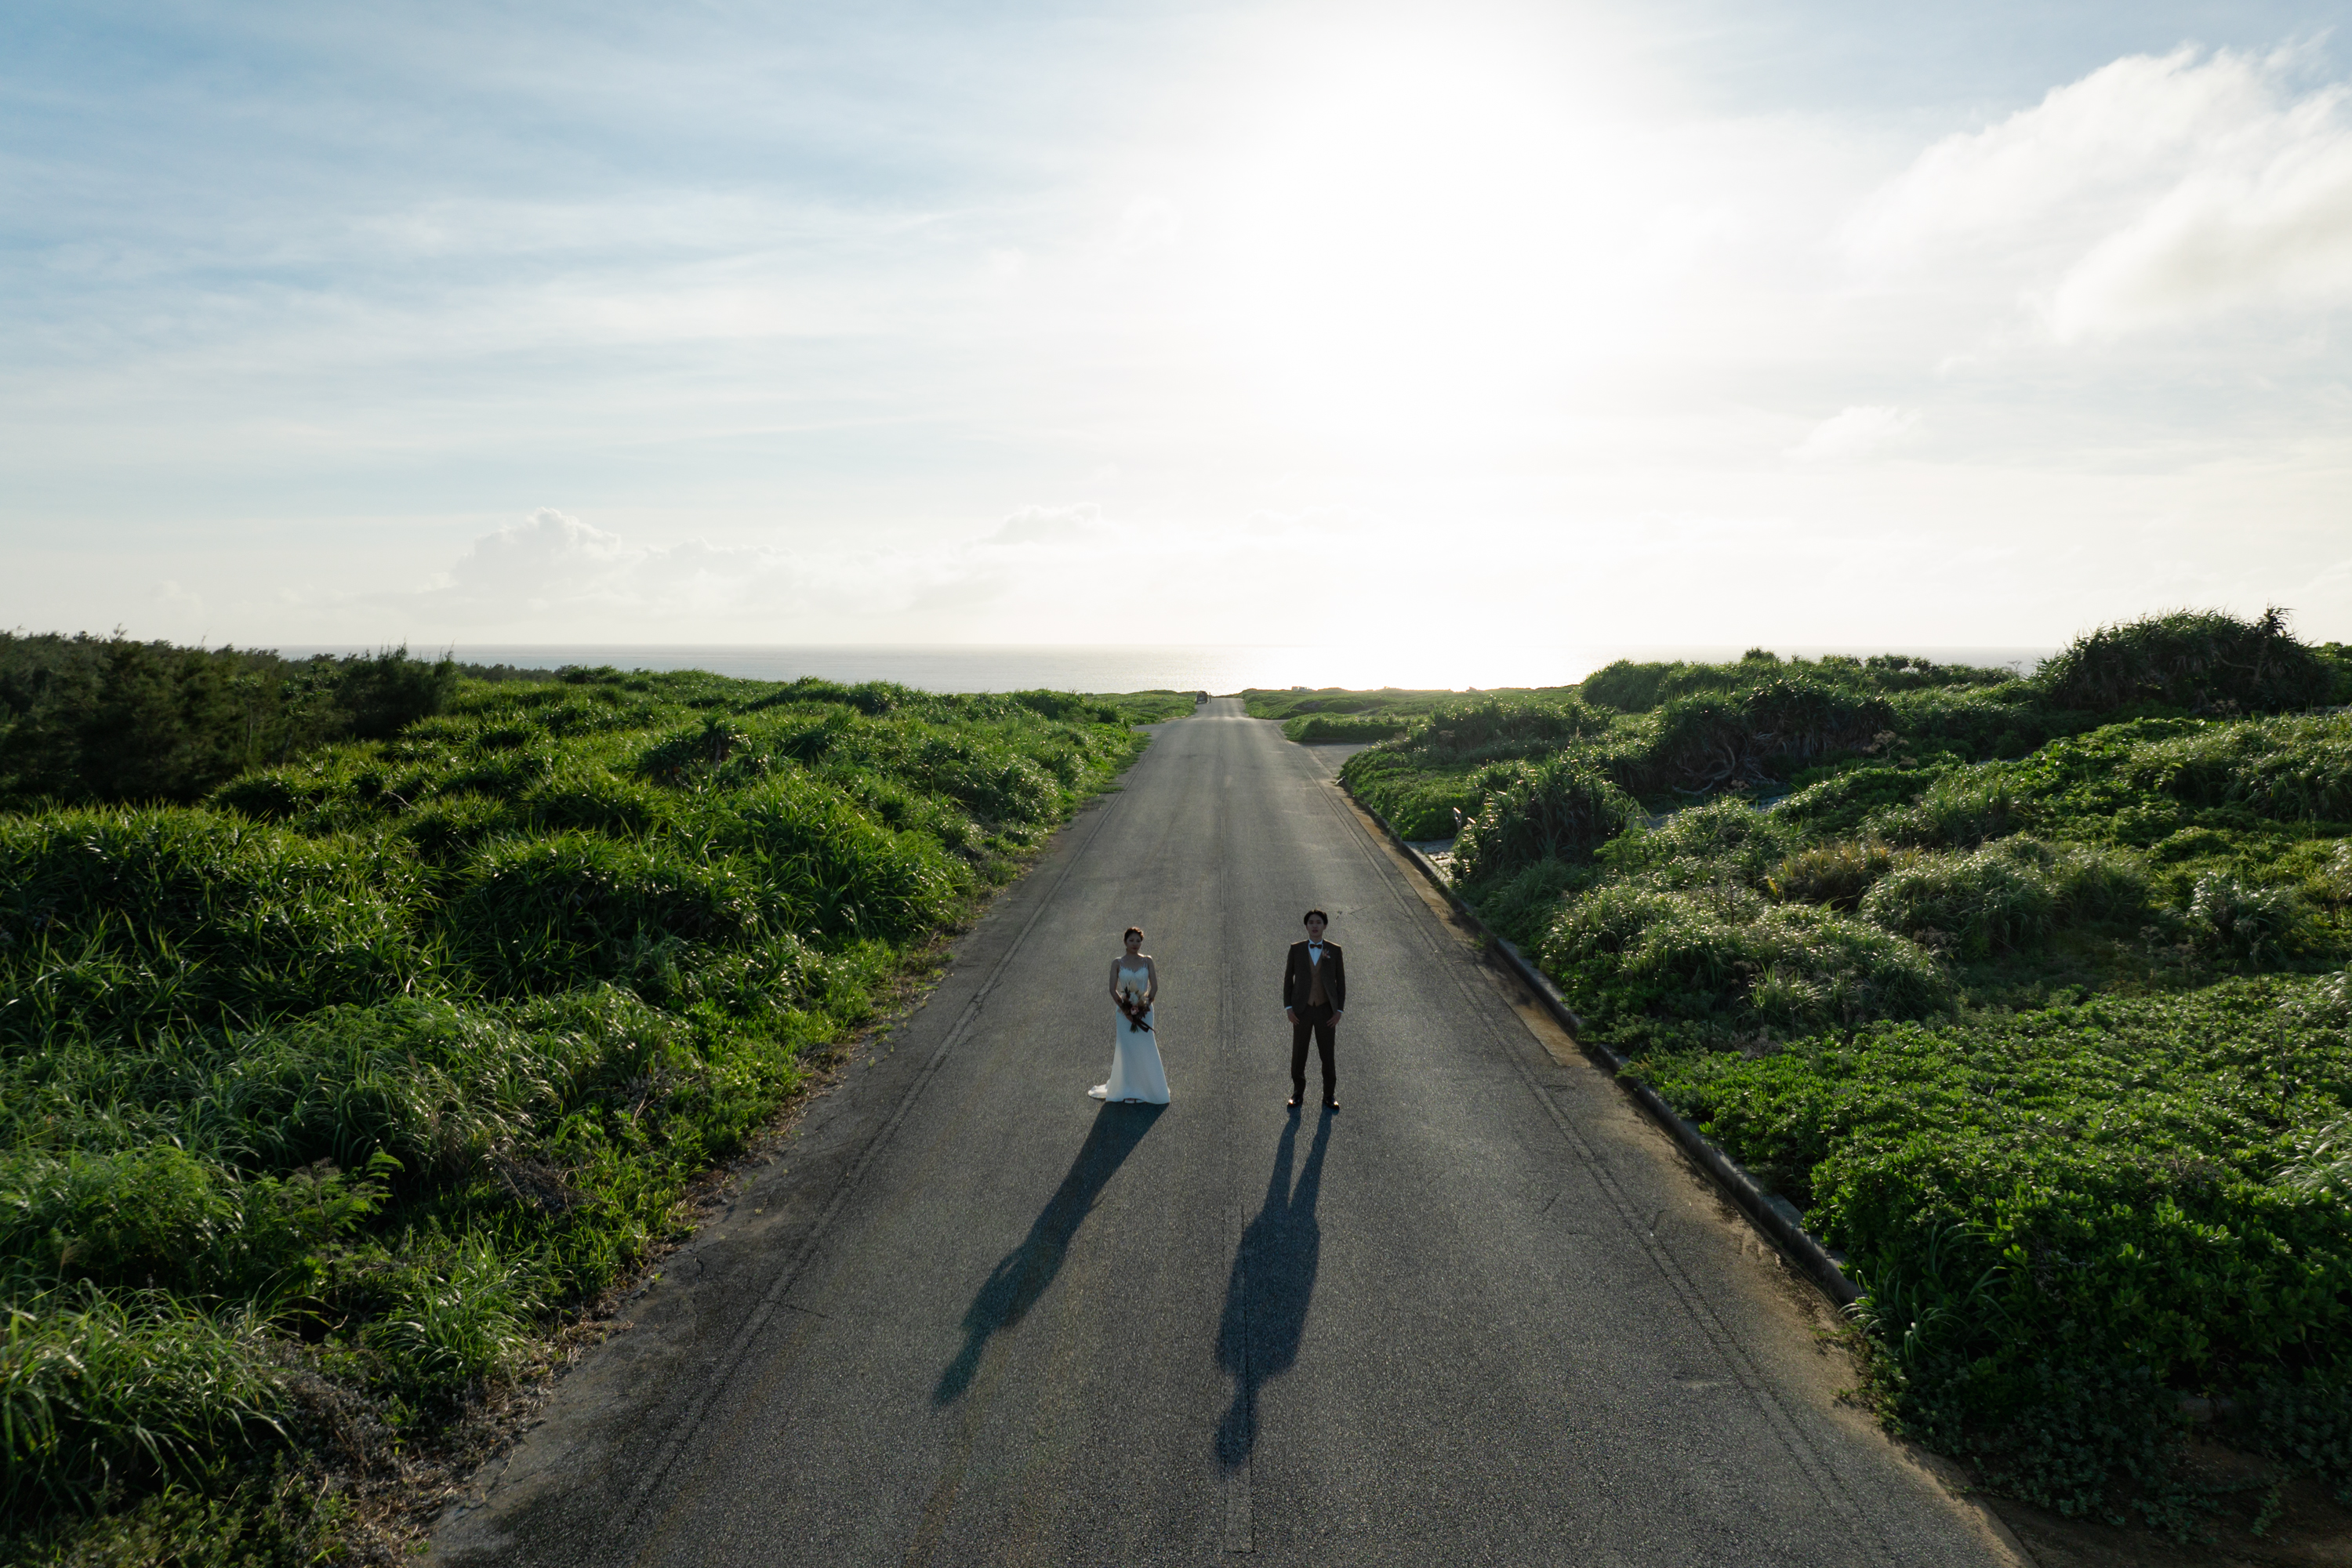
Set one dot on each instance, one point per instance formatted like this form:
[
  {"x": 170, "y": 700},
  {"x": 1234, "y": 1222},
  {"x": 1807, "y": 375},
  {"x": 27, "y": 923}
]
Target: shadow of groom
[
  {"x": 1272, "y": 1281},
  {"x": 1022, "y": 1274}
]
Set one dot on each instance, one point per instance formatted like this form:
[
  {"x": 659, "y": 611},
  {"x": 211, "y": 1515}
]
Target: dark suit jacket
[{"x": 1296, "y": 982}]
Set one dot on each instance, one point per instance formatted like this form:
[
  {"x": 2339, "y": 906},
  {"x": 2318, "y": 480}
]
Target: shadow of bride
[
  {"x": 1022, "y": 1274},
  {"x": 1273, "y": 1280}
]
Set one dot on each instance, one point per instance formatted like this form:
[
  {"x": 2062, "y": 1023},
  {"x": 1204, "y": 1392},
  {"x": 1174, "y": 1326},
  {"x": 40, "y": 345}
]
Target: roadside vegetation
[
  {"x": 85, "y": 717},
  {"x": 2029, "y": 992},
  {"x": 1329, "y": 714},
  {"x": 352, "y": 1041}
]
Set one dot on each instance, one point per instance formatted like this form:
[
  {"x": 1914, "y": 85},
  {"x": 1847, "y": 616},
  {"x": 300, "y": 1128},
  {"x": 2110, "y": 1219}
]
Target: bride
[{"x": 1136, "y": 1075}]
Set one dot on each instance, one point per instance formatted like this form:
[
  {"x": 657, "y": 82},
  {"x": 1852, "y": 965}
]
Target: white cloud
[
  {"x": 2153, "y": 192},
  {"x": 554, "y": 575},
  {"x": 2120, "y": 131},
  {"x": 552, "y": 564},
  {"x": 1148, "y": 224},
  {"x": 1855, "y": 432},
  {"x": 2273, "y": 231},
  {"x": 549, "y": 553},
  {"x": 1043, "y": 574},
  {"x": 1050, "y": 525}
]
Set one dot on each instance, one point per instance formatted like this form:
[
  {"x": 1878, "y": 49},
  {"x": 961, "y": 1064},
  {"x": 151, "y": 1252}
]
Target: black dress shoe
[
  {"x": 1294, "y": 1102},
  {"x": 1330, "y": 1105}
]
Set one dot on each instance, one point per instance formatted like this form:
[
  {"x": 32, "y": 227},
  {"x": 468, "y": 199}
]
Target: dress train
[{"x": 1136, "y": 1073}]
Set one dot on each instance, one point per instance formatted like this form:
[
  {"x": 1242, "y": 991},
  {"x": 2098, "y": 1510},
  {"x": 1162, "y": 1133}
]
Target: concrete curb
[{"x": 1775, "y": 1216}]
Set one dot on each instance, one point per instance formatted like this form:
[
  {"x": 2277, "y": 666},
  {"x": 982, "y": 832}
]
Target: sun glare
[{"x": 1424, "y": 232}]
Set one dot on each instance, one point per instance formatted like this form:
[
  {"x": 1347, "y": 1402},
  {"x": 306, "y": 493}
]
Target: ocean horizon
[{"x": 1212, "y": 667}]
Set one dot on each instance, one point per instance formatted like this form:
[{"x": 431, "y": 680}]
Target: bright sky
[{"x": 1686, "y": 321}]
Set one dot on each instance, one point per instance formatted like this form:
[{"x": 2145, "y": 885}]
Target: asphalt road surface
[{"x": 1484, "y": 1313}]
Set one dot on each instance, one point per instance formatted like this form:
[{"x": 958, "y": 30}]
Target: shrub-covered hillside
[
  {"x": 86, "y": 718},
  {"x": 321, "y": 1097},
  {"x": 2030, "y": 991}
]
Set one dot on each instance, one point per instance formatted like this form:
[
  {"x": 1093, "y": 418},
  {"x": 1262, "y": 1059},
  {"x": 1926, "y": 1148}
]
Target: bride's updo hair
[{"x": 1131, "y": 931}]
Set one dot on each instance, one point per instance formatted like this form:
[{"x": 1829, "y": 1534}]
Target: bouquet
[{"x": 1135, "y": 1011}]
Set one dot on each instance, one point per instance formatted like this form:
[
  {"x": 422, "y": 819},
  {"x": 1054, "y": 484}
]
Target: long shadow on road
[
  {"x": 1022, "y": 1276},
  {"x": 1273, "y": 1280}
]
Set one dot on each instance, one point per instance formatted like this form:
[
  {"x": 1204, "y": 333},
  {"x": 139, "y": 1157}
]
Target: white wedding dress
[{"x": 1136, "y": 1074}]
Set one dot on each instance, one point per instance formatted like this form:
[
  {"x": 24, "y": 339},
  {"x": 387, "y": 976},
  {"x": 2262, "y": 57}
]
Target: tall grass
[
  {"x": 1556, "y": 810},
  {"x": 99, "y": 1392},
  {"x": 2197, "y": 659},
  {"x": 365, "y": 1066}
]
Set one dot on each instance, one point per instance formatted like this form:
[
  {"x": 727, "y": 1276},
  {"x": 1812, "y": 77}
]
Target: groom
[{"x": 1314, "y": 993}]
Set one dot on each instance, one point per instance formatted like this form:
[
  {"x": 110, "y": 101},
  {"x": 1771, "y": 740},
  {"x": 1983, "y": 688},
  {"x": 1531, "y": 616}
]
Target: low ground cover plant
[
  {"x": 323, "y": 1097},
  {"x": 2030, "y": 991},
  {"x": 2066, "y": 1218}
]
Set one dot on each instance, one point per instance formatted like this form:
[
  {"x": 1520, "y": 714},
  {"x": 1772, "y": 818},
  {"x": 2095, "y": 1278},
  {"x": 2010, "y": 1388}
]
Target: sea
[{"x": 1212, "y": 667}]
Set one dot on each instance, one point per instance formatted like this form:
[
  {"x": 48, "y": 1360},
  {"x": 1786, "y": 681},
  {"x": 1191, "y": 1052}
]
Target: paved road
[{"x": 1484, "y": 1314}]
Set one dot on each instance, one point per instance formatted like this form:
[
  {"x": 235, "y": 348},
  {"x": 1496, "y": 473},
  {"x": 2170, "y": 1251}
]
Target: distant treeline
[
  {"x": 86, "y": 718},
  {"x": 2200, "y": 661}
]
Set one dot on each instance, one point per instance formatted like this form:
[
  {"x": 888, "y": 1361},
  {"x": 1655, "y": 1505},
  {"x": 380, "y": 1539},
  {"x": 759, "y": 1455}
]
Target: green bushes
[
  {"x": 1729, "y": 957},
  {"x": 99, "y": 1393},
  {"x": 461, "y": 1318},
  {"x": 106, "y": 719},
  {"x": 1978, "y": 903},
  {"x": 1419, "y": 801},
  {"x": 2020, "y": 1004},
  {"x": 377, "y": 696},
  {"x": 335, "y": 1086},
  {"x": 1067, "y": 707},
  {"x": 1961, "y": 809},
  {"x": 124, "y": 921},
  {"x": 2322, "y": 1161},
  {"x": 1869, "y": 736},
  {"x": 1998, "y": 897},
  {"x": 1522, "y": 905},
  {"x": 1408, "y": 706},
  {"x": 857, "y": 875},
  {"x": 542, "y": 913},
  {"x": 1491, "y": 728},
  {"x": 2198, "y": 660},
  {"x": 2228, "y": 916},
  {"x": 2096, "y": 884},
  {"x": 2285, "y": 770},
  {"x": 1726, "y": 839},
  {"x": 1636, "y": 688},
  {"x": 1978, "y": 723},
  {"x": 1711, "y": 742},
  {"x": 1554, "y": 810},
  {"x": 1835, "y": 874},
  {"x": 1312, "y": 729},
  {"x": 143, "y": 1218}
]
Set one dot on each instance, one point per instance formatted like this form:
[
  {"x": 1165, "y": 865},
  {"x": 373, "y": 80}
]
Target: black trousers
[{"x": 1315, "y": 1021}]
